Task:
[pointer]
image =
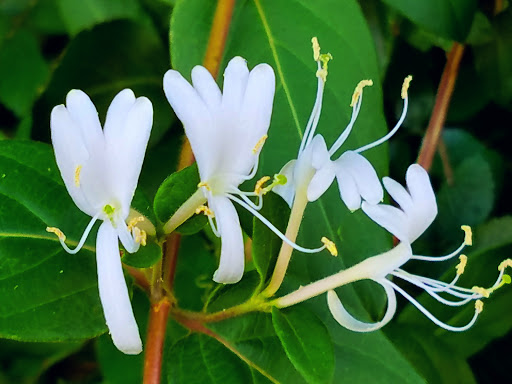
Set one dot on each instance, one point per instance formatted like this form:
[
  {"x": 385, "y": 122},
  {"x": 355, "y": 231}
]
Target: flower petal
[
  {"x": 126, "y": 147},
  {"x": 320, "y": 182},
  {"x": 70, "y": 153},
  {"x": 232, "y": 261},
  {"x": 116, "y": 114},
  {"x": 287, "y": 191},
  {"x": 196, "y": 119},
  {"x": 320, "y": 153},
  {"x": 84, "y": 114},
  {"x": 206, "y": 87},
  {"x": 364, "y": 175},
  {"x": 398, "y": 193},
  {"x": 342, "y": 316},
  {"x": 235, "y": 82},
  {"x": 391, "y": 218},
  {"x": 348, "y": 189},
  {"x": 114, "y": 294}
]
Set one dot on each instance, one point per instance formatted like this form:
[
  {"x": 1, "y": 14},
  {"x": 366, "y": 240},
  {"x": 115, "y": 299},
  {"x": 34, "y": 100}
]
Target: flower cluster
[{"x": 227, "y": 130}]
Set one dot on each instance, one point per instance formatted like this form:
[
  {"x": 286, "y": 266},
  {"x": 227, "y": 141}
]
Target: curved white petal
[
  {"x": 342, "y": 316},
  {"x": 127, "y": 148},
  {"x": 84, "y": 114},
  {"x": 348, "y": 189},
  {"x": 364, "y": 175},
  {"x": 424, "y": 209},
  {"x": 232, "y": 261},
  {"x": 391, "y": 218},
  {"x": 206, "y": 87},
  {"x": 287, "y": 191},
  {"x": 126, "y": 237},
  {"x": 320, "y": 182},
  {"x": 70, "y": 153},
  {"x": 114, "y": 294},
  {"x": 398, "y": 193},
  {"x": 196, "y": 119},
  {"x": 116, "y": 115},
  {"x": 235, "y": 82},
  {"x": 319, "y": 152}
]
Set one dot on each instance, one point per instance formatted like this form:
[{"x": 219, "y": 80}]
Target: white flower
[
  {"x": 100, "y": 169},
  {"x": 315, "y": 171},
  {"x": 226, "y": 131},
  {"x": 418, "y": 208}
]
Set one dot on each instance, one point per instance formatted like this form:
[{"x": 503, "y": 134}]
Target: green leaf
[
  {"x": 493, "y": 60},
  {"x": 173, "y": 192},
  {"x": 46, "y": 294},
  {"x": 145, "y": 257},
  {"x": 203, "y": 360},
  {"x": 265, "y": 243},
  {"x": 449, "y": 18},
  {"x": 307, "y": 343},
  {"x": 24, "y": 72},
  {"x": 79, "y": 15}
]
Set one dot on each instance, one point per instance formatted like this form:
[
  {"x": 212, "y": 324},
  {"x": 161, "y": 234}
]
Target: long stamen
[
  {"x": 62, "y": 237},
  {"x": 357, "y": 100},
  {"x": 405, "y": 86},
  {"x": 478, "y": 310},
  {"x": 467, "y": 241},
  {"x": 275, "y": 230}
]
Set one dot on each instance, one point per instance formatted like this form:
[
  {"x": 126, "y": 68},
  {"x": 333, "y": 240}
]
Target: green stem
[
  {"x": 187, "y": 210},
  {"x": 292, "y": 230}
]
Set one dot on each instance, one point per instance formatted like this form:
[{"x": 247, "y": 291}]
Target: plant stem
[
  {"x": 292, "y": 230},
  {"x": 158, "y": 316},
  {"x": 172, "y": 246},
  {"x": 443, "y": 97}
]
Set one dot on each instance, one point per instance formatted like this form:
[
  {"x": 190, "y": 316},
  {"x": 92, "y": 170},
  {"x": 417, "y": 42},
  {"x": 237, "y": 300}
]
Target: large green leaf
[
  {"x": 451, "y": 19},
  {"x": 260, "y": 33},
  {"x": 45, "y": 293}
]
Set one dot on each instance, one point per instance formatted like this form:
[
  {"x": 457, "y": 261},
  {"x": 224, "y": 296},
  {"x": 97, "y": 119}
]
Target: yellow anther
[
  {"x": 204, "y": 184},
  {"x": 57, "y": 231},
  {"x": 140, "y": 236},
  {"x": 460, "y": 267},
  {"x": 259, "y": 144},
  {"x": 468, "y": 238},
  {"x": 359, "y": 90},
  {"x": 134, "y": 221},
  {"x": 316, "y": 48},
  {"x": 331, "y": 247},
  {"x": 204, "y": 209},
  {"x": 405, "y": 86},
  {"x": 258, "y": 189},
  {"x": 78, "y": 169},
  {"x": 479, "y": 306},
  {"x": 504, "y": 264},
  {"x": 481, "y": 291}
]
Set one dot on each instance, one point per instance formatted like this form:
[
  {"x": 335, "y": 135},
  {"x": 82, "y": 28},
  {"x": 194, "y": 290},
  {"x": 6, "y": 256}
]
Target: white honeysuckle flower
[
  {"x": 418, "y": 209},
  {"x": 100, "y": 169},
  {"x": 227, "y": 131},
  {"x": 314, "y": 169}
]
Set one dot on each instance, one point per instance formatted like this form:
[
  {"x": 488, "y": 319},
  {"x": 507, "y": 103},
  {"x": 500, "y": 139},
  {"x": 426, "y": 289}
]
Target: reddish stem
[
  {"x": 158, "y": 316},
  {"x": 172, "y": 246},
  {"x": 443, "y": 97}
]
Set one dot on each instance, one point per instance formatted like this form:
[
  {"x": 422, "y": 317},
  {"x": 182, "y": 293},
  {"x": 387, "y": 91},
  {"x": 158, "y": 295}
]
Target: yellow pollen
[
  {"x": 78, "y": 169},
  {"x": 204, "y": 184},
  {"x": 481, "y": 291},
  {"x": 460, "y": 267},
  {"x": 504, "y": 264},
  {"x": 405, "y": 86},
  {"x": 204, "y": 209},
  {"x": 359, "y": 90},
  {"x": 140, "y": 236},
  {"x": 331, "y": 247},
  {"x": 133, "y": 222},
  {"x": 316, "y": 48},
  {"x": 57, "y": 231},
  {"x": 468, "y": 239},
  {"x": 259, "y": 144},
  {"x": 258, "y": 189},
  {"x": 479, "y": 306}
]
